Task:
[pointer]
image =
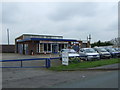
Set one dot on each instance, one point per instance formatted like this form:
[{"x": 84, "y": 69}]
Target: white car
[
  {"x": 88, "y": 54},
  {"x": 71, "y": 52}
]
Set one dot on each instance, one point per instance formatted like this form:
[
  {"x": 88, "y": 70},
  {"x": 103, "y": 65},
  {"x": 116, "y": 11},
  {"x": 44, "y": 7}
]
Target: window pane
[
  {"x": 45, "y": 47},
  {"x": 49, "y": 47}
]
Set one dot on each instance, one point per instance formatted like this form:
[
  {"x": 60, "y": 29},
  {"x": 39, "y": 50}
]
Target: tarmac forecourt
[{"x": 104, "y": 64}]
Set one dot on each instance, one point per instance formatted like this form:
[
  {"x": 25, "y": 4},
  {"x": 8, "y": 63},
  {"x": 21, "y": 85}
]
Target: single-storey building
[{"x": 36, "y": 44}]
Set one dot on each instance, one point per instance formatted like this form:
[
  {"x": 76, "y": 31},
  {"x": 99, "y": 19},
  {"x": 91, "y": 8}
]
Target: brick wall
[{"x": 7, "y": 48}]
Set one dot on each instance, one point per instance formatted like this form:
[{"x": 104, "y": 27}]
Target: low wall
[{"x": 7, "y": 48}]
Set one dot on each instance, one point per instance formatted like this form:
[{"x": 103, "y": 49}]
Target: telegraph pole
[
  {"x": 89, "y": 37},
  {"x": 8, "y": 35}
]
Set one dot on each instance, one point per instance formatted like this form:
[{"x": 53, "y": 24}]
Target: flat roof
[
  {"x": 41, "y": 35},
  {"x": 45, "y": 39}
]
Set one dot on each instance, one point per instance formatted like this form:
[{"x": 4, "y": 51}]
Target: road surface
[{"x": 109, "y": 79}]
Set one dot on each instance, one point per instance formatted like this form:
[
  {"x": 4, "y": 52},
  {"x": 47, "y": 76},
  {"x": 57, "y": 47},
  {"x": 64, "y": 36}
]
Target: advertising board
[{"x": 64, "y": 58}]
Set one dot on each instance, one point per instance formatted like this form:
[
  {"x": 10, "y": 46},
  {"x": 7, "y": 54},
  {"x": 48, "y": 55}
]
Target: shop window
[
  {"x": 66, "y": 46},
  {"x": 62, "y": 46},
  {"x": 49, "y": 47},
  {"x": 45, "y": 47},
  {"x": 37, "y": 48}
]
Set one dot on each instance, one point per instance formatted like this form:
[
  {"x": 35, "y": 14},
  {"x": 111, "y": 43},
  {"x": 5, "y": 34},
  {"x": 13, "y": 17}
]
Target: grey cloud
[
  {"x": 67, "y": 11},
  {"x": 72, "y": 20},
  {"x": 10, "y": 12}
]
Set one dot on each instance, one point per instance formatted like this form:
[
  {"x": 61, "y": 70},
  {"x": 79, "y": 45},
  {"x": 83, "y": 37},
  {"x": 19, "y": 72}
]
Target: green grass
[{"x": 85, "y": 64}]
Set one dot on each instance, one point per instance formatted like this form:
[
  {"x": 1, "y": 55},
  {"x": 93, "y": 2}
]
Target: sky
[{"x": 72, "y": 20}]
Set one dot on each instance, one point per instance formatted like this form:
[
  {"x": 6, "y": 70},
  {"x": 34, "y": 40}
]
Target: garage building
[{"x": 37, "y": 44}]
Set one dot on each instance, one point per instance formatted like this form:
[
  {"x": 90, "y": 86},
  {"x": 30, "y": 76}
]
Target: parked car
[
  {"x": 71, "y": 53},
  {"x": 118, "y": 50},
  {"x": 88, "y": 54},
  {"x": 113, "y": 52},
  {"x": 103, "y": 52}
]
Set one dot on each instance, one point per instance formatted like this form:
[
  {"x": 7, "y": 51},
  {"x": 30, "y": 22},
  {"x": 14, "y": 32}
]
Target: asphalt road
[{"x": 108, "y": 79}]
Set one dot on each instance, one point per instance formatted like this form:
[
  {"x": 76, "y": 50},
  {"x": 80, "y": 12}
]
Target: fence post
[
  {"x": 48, "y": 63},
  {"x": 21, "y": 64}
]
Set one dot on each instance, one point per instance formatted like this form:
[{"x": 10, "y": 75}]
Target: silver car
[
  {"x": 88, "y": 54},
  {"x": 103, "y": 52},
  {"x": 71, "y": 53},
  {"x": 113, "y": 52}
]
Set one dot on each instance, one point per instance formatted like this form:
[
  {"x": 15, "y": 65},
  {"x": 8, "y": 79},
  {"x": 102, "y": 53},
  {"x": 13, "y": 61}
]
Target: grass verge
[{"x": 85, "y": 64}]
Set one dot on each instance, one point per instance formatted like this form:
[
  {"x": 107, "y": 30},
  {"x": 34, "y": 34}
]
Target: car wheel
[
  {"x": 98, "y": 58},
  {"x": 109, "y": 57}
]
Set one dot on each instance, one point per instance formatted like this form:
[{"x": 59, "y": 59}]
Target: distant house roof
[{"x": 45, "y": 39}]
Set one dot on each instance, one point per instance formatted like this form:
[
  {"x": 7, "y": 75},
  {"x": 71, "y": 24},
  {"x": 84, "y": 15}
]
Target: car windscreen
[
  {"x": 90, "y": 51},
  {"x": 111, "y": 49},
  {"x": 69, "y": 51},
  {"x": 101, "y": 50},
  {"x": 66, "y": 50},
  {"x": 72, "y": 51},
  {"x": 117, "y": 49}
]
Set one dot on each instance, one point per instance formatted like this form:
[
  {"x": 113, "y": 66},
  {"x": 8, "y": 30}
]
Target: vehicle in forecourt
[
  {"x": 89, "y": 54},
  {"x": 118, "y": 50},
  {"x": 113, "y": 52},
  {"x": 71, "y": 53},
  {"x": 103, "y": 53}
]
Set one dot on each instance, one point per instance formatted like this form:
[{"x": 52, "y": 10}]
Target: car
[
  {"x": 71, "y": 53},
  {"x": 113, "y": 52},
  {"x": 118, "y": 50},
  {"x": 103, "y": 53},
  {"x": 89, "y": 54}
]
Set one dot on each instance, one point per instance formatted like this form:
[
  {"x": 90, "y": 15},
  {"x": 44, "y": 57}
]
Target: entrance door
[{"x": 20, "y": 48}]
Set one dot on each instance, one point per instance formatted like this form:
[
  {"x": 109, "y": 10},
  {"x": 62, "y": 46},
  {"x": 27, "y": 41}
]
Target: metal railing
[{"x": 47, "y": 62}]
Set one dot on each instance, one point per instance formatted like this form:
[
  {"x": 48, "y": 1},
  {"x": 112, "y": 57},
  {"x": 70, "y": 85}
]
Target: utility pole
[
  {"x": 8, "y": 35},
  {"x": 89, "y": 37}
]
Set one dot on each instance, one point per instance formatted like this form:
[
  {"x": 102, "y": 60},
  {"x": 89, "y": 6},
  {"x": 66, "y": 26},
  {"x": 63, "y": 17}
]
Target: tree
[{"x": 99, "y": 43}]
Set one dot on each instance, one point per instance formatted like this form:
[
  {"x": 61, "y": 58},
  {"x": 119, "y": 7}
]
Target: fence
[{"x": 47, "y": 62}]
